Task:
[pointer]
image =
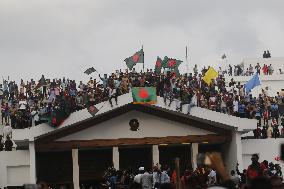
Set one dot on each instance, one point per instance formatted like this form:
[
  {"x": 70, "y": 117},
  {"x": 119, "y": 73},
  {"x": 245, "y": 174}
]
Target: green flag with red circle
[
  {"x": 144, "y": 95},
  {"x": 138, "y": 57},
  {"x": 158, "y": 65},
  {"x": 171, "y": 63}
]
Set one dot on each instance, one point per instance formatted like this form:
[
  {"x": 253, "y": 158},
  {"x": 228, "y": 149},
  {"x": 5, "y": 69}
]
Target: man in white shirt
[
  {"x": 193, "y": 102},
  {"x": 137, "y": 178},
  {"x": 235, "y": 178},
  {"x": 7, "y": 131},
  {"x": 160, "y": 178},
  {"x": 112, "y": 94},
  {"x": 235, "y": 106},
  {"x": 269, "y": 131},
  {"x": 212, "y": 178},
  {"x": 147, "y": 180},
  {"x": 35, "y": 116},
  {"x": 22, "y": 104}
]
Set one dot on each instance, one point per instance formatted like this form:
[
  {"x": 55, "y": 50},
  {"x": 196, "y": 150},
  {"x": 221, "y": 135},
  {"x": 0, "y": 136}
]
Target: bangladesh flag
[
  {"x": 144, "y": 95},
  {"x": 171, "y": 63},
  {"x": 138, "y": 57},
  {"x": 158, "y": 65},
  {"x": 59, "y": 114}
]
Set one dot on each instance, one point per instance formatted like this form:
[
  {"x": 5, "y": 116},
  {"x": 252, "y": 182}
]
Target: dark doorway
[
  {"x": 55, "y": 168},
  {"x": 170, "y": 152},
  {"x": 93, "y": 163},
  {"x": 134, "y": 157}
]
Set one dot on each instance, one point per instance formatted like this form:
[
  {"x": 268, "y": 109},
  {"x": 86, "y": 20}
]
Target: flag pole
[
  {"x": 187, "y": 64},
  {"x": 143, "y": 58}
]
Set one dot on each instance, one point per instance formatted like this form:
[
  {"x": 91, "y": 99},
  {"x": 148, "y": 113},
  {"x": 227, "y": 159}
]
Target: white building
[
  {"x": 275, "y": 82},
  {"x": 84, "y": 146},
  {"x": 81, "y": 148}
]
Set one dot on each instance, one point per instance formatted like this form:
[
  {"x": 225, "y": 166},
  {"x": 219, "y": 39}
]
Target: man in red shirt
[{"x": 255, "y": 169}]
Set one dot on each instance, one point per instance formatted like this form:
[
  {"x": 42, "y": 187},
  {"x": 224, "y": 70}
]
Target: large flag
[
  {"x": 90, "y": 70},
  {"x": 171, "y": 63},
  {"x": 138, "y": 57},
  {"x": 144, "y": 95},
  {"x": 209, "y": 75},
  {"x": 252, "y": 83},
  {"x": 158, "y": 65}
]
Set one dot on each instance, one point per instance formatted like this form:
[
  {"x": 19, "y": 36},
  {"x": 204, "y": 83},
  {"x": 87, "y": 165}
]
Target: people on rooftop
[{"x": 27, "y": 104}]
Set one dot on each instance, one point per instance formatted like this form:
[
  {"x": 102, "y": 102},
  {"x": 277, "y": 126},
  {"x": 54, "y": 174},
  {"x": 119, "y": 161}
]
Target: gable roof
[{"x": 150, "y": 109}]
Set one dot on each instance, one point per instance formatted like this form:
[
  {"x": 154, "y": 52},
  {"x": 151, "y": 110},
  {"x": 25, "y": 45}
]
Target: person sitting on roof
[{"x": 8, "y": 144}]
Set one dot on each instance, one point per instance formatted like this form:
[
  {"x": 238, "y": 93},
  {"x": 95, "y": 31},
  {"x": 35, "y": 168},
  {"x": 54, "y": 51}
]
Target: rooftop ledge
[{"x": 225, "y": 121}]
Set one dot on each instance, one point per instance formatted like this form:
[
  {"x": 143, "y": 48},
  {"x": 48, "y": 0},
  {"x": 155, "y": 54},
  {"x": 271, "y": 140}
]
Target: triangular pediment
[
  {"x": 149, "y": 126},
  {"x": 153, "y": 117}
]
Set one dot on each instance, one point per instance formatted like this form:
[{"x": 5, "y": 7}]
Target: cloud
[{"x": 65, "y": 37}]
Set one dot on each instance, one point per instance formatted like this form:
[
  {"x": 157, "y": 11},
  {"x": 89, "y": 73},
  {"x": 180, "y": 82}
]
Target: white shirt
[
  {"x": 194, "y": 99},
  {"x": 7, "y": 130},
  {"x": 137, "y": 178},
  {"x": 112, "y": 92},
  {"x": 22, "y": 105},
  {"x": 81, "y": 87},
  {"x": 212, "y": 177},
  {"x": 236, "y": 105},
  {"x": 269, "y": 132},
  {"x": 35, "y": 115}
]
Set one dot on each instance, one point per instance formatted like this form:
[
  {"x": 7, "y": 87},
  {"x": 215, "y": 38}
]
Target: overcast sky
[{"x": 63, "y": 38}]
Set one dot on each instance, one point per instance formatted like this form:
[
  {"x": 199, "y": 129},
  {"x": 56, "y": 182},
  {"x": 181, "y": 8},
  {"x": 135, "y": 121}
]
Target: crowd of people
[
  {"x": 258, "y": 175},
  {"x": 28, "y": 103},
  {"x": 273, "y": 130},
  {"x": 240, "y": 70}
]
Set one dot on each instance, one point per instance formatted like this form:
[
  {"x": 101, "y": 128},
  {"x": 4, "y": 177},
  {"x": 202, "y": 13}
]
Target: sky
[{"x": 63, "y": 38}]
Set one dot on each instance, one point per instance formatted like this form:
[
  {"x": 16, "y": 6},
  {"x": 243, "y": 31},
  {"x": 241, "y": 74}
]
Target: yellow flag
[{"x": 209, "y": 75}]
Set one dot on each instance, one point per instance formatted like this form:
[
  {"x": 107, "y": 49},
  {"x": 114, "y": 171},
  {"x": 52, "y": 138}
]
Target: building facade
[{"x": 85, "y": 146}]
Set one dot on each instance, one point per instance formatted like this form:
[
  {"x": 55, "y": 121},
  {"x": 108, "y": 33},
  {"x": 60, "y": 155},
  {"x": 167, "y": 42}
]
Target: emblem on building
[{"x": 134, "y": 124}]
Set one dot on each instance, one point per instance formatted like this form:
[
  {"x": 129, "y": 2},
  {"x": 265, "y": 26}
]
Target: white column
[
  {"x": 76, "y": 179},
  {"x": 194, "y": 152},
  {"x": 155, "y": 155},
  {"x": 115, "y": 157},
  {"x": 233, "y": 152},
  {"x": 32, "y": 162}
]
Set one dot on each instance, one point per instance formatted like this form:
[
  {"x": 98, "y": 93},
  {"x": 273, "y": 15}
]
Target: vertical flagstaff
[
  {"x": 187, "y": 65},
  {"x": 143, "y": 58}
]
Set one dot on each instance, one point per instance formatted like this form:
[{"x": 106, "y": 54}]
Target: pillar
[
  {"x": 194, "y": 152},
  {"x": 155, "y": 154},
  {"x": 76, "y": 179},
  {"x": 115, "y": 157},
  {"x": 233, "y": 152},
  {"x": 32, "y": 162}
]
